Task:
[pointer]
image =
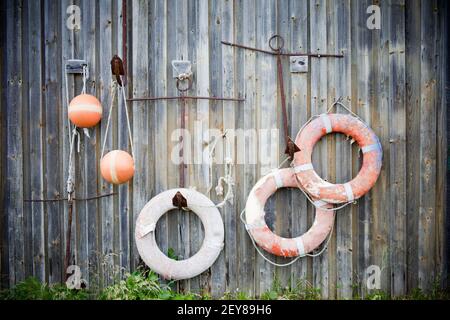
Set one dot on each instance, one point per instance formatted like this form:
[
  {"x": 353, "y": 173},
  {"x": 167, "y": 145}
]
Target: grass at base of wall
[{"x": 145, "y": 285}]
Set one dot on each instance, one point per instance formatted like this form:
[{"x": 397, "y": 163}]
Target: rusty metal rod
[
  {"x": 314, "y": 55},
  {"x": 68, "y": 237},
  {"x": 183, "y": 126},
  {"x": 185, "y": 97},
  {"x": 74, "y": 199}
]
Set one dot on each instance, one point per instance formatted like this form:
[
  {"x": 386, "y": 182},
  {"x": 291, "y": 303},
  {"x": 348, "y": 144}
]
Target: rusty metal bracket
[
  {"x": 75, "y": 66},
  {"x": 300, "y": 60}
]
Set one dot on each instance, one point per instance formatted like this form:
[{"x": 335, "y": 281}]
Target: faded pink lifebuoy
[
  {"x": 269, "y": 241},
  {"x": 368, "y": 142}
]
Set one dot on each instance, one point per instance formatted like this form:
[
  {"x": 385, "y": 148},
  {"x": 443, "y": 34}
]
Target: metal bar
[
  {"x": 68, "y": 237},
  {"x": 287, "y": 54},
  {"x": 185, "y": 97},
  {"x": 183, "y": 126},
  {"x": 74, "y": 199},
  {"x": 283, "y": 98}
]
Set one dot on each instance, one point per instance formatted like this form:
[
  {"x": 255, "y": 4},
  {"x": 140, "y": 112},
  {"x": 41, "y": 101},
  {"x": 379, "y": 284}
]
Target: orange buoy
[
  {"x": 117, "y": 167},
  {"x": 85, "y": 111}
]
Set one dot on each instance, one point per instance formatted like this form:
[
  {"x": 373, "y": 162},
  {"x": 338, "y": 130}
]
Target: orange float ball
[
  {"x": 85, "y": 111},
  {"x": 117, "y": 166}
]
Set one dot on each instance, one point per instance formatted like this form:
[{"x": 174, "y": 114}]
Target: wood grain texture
[{"x": 394, "y": 78}]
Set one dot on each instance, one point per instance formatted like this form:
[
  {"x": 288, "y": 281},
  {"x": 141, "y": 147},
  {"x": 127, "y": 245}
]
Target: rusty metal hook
[
  {"x": 280, "y": 42},
  {"x": 179, "y": 80}
]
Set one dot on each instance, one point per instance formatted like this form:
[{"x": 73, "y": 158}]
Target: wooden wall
[{"x": 394, "y": 78}]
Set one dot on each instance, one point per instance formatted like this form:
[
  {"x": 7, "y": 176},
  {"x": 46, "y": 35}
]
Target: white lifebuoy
[
  {"x": 269, "y": 241},
  {"x": 158, "y": 261}
]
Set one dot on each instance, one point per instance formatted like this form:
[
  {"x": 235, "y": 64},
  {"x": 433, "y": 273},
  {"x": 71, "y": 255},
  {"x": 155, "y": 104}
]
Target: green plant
[
  {"x": 136, "y": 286},
  {"x": 32, "y": 289}
]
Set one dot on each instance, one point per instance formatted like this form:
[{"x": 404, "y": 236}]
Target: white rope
[
  {"x": 227, "y": 178},
  {"x": 85, "y": 77},
  {"x": 128, "y": 118},
  {"x": 113, "y": 87}
]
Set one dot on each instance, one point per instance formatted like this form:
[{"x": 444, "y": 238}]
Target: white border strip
[
  {"x": 303, "y": 167},
  {"x": 326, "y": 122},
  {"x": 372, "y": 147},
  {"x": 278, "y": 179},
  {"x": 349, "y": 192},
  {"x": 300, "y": 246}
]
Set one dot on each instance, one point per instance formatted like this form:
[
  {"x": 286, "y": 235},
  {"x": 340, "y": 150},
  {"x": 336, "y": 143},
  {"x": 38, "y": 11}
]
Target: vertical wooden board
[
  {"x": 379, "y": 122},
  {"x": 80, "y": 217},
  {"x": 91, "y": 254},
  {"x": 318, "y": 70},
  {"x": 300, "y": 109},
  {"x": 412, "y": 102},
  {"x": 158, "y": 118},
  {"x": 441, "y": 145},
  {"x": 52, "y": 131},
  {"x": 266, "y": 102},
  {"x": 140, "y": 76},
  {"x": 26, "y": 191},
  {"x": 201, "y": 119},
  {"x": 245, "y": 16},
  {"x": 67, "y": 52},
  {"x": 362, "y": 78},
  {"x": 217, "y": 79},
  {"x": 195, "y": 230},
  {"x": 228, "y": 73},
  {"x": 283, "y": 208},
  {"x": 427, "y": 195},
  {"x": 180, "y": 52},
  {"x": 36, "y": 136},
  {"x": 397, "y": 137},
  {"x": 124, "y": 191},
  {"x": 14, "y": 141},
  {"x": 104, "y": 91},
  {"x": 168, "y": 229},
  {"x": 340, "y": 77}
]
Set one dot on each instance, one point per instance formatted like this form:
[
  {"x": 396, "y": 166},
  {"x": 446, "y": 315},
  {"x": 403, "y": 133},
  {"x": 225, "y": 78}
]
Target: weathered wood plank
[
  {"x": 266, "y": 102},
  {"x": 124, "y": 196},
  {"x": 227, "y": 72},
  {"x": 201, "y": 170},
  {"x": 104, "y": 91},
  {"x": 300, "y": 110},
  {"x": 340, "y": 85},
  {"x": 413, "y": 111},
  {"x": 53, "y": 170},
  {"x": 140, "y": 76},
  {"x": 217, "y": 81},
  {"x": 36, "y": 140},
  {"x": 14, "y": 142},
  {"x": 427, "y": 196},
  {"x": 362, "y": 78},
  {"x": 319, "y": 103},
  {"x": 283, "y": 197},
  {"x": 248, "y": 117},
  {"x": 397, "y": 137}
]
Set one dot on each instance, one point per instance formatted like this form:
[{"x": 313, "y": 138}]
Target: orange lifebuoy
[
  {"x": 367, "y": 141},
  {"x": 269, "y": 241},
  {"x": 85, "y": 111}
]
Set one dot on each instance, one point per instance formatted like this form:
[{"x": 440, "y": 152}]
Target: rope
[
  {"x": 113, "y": 95},
  {"x": 113, "y": 87},
  {"x": 227, "y": 178},
  {"x": 128, "y": 118},
  {"x": 85, "y": 76}
]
